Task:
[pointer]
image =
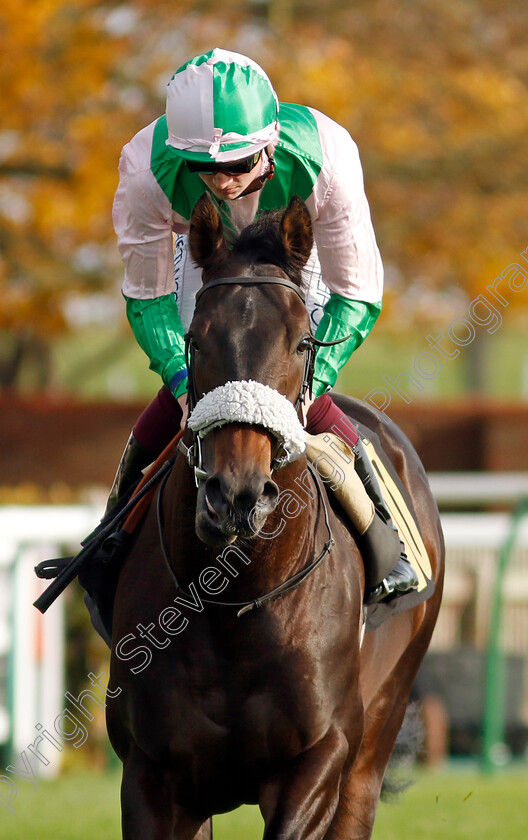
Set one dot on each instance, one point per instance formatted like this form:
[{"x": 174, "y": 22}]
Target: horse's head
[{"x": 248, "y": 347}]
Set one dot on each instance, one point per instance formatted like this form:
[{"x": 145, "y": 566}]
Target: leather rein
[{"x": 288, "y": 585}]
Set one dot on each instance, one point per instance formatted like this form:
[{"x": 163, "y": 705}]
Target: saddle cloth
[{"x": 334, "y": 461}]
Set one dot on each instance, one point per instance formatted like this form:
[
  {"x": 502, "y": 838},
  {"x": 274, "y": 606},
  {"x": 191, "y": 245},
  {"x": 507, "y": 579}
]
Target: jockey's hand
[
  {"x": 309, "y": 400},
  {"x": 182, "y": 401}
]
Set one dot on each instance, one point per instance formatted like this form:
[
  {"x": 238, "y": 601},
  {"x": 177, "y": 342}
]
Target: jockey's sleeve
[
  {"x": 158, "y": 330},
  {"x": 341, "y": 317},
  {"x": 346, "y": 244},
  {"x": 143, "y": 220}
]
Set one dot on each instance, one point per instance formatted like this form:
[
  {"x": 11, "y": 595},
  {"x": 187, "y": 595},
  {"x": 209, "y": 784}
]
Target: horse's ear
[
  {"x": 296, "y": 230},
  {"x": 206, "y": 235}
]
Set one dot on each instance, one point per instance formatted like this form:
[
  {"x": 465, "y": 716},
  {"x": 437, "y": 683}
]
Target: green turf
[
  {"x": 458, "y": 806},
  {"x": 455, "y": 805}
]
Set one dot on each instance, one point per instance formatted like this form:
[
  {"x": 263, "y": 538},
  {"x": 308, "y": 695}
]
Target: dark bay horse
[{"x": 269, "y": 700}]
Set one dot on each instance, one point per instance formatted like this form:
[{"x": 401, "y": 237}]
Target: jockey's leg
[
  {"x": 403, "y": 577},
  {"x": 157, "y": 425},
  {"x": 153, "y": 431},
  {"x": 387, "y": 570}
]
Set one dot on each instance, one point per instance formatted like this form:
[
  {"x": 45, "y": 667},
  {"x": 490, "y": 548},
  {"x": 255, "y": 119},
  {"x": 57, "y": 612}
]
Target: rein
[{"x": 288, "y": 585}]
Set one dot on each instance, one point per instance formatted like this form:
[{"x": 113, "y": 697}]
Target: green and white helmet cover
[{"x": 221, "y": 106}]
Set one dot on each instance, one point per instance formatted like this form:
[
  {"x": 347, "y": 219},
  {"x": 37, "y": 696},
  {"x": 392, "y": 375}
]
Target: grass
[
  {"x": 458, "y": 806},
  {"x": 504, "y": 363},
  {"x": 448, "y": 805}
]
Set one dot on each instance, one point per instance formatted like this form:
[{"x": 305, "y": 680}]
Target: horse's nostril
[
  {"x": 270, "y": 494},
  {"x": 264, "y": 505},
  {"x": 214, "y": 498},
  {"x": 235, "y": 507},
  {"x": 210, "y": 508}
]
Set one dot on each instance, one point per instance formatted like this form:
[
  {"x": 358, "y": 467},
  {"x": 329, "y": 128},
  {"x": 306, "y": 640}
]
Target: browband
[{"x": 251, "y": 281}]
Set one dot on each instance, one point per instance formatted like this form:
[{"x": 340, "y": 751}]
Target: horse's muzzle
[{"x": 230, "y": 507}]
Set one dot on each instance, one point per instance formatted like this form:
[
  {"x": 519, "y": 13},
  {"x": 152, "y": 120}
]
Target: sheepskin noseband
[{"x": 247, "y": 401}]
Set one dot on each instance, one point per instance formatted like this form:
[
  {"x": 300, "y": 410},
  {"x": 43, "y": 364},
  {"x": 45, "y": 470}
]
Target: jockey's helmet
[{"x": 221, "y": 107}]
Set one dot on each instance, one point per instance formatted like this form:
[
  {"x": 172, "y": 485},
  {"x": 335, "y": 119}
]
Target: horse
[{"x": 262, "y": 692}]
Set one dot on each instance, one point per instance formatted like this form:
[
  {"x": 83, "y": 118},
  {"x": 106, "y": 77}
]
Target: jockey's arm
[
  {"x": 143, "y": 220},
  {"x": 350, "y": 261},
  {"x": 341, "y": 318},
  {"x": 159, "y": 332}
]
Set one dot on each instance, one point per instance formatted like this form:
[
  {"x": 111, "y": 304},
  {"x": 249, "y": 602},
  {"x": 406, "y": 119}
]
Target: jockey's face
[{"x": 228, "y": 185}]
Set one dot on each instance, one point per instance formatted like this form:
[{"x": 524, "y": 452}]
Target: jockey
[{"x": 224, "y": 131}]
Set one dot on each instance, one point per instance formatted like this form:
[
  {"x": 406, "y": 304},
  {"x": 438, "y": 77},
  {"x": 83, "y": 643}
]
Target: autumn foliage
[{"x": 435, "y": 95}]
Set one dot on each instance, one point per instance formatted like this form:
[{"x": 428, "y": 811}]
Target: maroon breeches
[{"x": 159, "y": 423}]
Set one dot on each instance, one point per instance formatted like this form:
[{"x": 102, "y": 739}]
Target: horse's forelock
[{"x": 261, "y": 243}]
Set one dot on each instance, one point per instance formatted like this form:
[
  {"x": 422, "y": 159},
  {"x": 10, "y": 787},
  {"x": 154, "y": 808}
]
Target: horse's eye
[
  {"x": 304, "y": 345},
  {"x": 193, "y": 344}
]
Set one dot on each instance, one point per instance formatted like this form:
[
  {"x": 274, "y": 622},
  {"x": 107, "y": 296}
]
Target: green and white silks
[
  {"x": 316, "y": 159},
  {"x": 341, "y": 318},
  {"x": 158, "y": 330},
  {"x": 220, "y": 106}
]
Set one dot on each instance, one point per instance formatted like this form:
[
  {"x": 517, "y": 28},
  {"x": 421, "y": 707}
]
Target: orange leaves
[
  {"x": 434, "y": 94},
  {"x": 58, "y": 157}
]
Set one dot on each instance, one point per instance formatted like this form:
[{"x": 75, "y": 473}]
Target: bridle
[
  {"x": 293, "y": 582},
  {"x": 252, "y": 281},
  {"x": 281, "y": 458}
]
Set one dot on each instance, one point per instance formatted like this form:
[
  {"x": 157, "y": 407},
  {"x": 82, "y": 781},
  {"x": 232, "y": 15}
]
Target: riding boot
[
  {"x": 388, "y": 572},
  {"x": 379, "y": 544},
  {"x": 133, "y": 461}
]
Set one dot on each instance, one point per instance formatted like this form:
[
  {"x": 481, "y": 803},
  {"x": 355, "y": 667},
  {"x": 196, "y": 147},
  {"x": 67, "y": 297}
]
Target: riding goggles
[{"x": 237, "y": 167}]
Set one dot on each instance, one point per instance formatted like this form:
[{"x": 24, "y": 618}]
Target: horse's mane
[{"x": 261, "y": 243}]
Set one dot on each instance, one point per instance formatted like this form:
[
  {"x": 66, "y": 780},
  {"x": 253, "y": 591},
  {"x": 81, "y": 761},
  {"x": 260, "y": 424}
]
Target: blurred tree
[
  {"x": 78, "y": 79},
  {"x": 56, "y": 77},
  {"x": 435, "y": 95}
]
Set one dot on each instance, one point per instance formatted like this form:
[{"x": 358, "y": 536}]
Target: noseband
[{"x": 282, "y": 456}]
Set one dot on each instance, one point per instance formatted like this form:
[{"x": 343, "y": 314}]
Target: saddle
[{"x": 334, "y": 460}]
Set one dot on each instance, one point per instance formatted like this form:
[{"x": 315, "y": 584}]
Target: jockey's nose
[{"x": 221, "y": 179}]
